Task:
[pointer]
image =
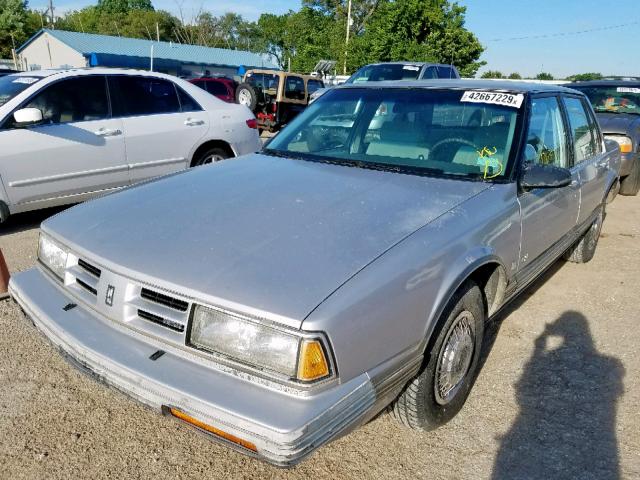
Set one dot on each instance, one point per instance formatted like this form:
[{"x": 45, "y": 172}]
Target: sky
[{"x": 497, "y": 23}]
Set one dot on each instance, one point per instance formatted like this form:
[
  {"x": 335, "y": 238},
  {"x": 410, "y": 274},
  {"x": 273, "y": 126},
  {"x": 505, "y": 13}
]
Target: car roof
[
  {"x": 605, "y": 83},
  {"x": 456, "y": 84},
  {"x": 91, "y": 71},
  {"x": 404, "y": 62}
]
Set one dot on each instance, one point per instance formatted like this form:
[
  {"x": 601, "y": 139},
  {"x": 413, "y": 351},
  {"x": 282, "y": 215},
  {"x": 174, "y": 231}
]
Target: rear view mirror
[
  {"x": 27, "y": 116},
  {"x": 544, "y": 176}
]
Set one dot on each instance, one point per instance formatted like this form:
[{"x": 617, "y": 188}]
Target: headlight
[
  {"x": 52, "y": 255},
  {"x": 259, "y": 345},
  {"x": 626, "y": 145}
]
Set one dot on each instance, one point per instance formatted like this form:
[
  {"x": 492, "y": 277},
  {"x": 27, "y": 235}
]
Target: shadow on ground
[
  {"x": 567, "y": 396},
  {"x": 26, "y": 221}
]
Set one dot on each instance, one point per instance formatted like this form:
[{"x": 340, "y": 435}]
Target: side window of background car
[
  {"x": 445, "y": 72},
  {"x": 430, "y": 72},
  {"x": 80, "y": 99},
  {"x": 584, "y": 143},
  {"x": 294, "y": 88},
  {"x": 546, "y": 134},
  {"x": 216, "y": 88},
  {"x": 187, "y": 104},
  {"x": 313, "y": 85},
  {"x": 143, "y": 96}
]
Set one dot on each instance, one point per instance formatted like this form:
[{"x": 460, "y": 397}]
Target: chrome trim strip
[
  {"x": 153, "y": 163},
  {"x": 67, "y": 176}
]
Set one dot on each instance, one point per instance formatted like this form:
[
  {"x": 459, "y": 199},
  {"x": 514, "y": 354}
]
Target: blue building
[{"x": 62, "y": 49}]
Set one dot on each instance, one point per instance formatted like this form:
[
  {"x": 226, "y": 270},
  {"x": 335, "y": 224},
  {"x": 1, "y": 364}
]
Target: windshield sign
[
  {"x": 613, "y": 99},
  {"x": 12, "y": 85},
  {"x": 433, "y": 132}
]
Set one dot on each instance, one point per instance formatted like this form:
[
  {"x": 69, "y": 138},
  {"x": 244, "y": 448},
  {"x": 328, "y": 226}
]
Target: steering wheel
[{"x": 447, "y": 141}]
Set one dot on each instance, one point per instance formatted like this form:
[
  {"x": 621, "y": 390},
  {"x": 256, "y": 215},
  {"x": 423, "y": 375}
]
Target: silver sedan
[{"x": 279, "y": 300}]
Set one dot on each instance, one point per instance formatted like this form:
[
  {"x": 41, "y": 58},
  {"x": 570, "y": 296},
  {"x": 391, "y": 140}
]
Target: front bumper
[{"x": 285, "y": 427}]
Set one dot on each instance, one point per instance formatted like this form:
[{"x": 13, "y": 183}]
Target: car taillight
[
  {"x": 252, "y": 123},
  {"x": 274, "y": 107}
]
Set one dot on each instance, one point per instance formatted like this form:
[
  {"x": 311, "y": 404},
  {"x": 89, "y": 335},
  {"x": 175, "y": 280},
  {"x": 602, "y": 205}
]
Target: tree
[
  {"x": 300, "y": 36},
  {"x": 544, "y": 76},
  {"x": 123, "y": 6},
  {"x": 417, "y": 30},
  {"x": 13, "y": 22},
  {"x": 492, "y": 74},
  {"x": 584, "y": 77},
  {"x": 515, "y": 76}
]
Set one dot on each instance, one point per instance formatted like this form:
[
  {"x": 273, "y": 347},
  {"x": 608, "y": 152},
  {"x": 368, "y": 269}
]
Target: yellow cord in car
[{"x": 486, "y": 154}]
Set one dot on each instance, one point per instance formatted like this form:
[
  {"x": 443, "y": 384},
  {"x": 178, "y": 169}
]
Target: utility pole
[
  {"x": 157, "y": 31},
  {"x": 51, "y": 13},
  {"x": 346, "y": 44}
]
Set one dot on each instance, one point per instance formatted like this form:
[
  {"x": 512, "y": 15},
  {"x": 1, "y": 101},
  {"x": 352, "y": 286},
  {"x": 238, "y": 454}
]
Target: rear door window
[
  {"x": 294, "y": 88},
  {"x": 143, "y": 96},
  {"x": 81, "y": 99},
  {"x": 584, "y": 143},
  {"x": 445, "y": 72},
  {"x": 187, "y": 103}
]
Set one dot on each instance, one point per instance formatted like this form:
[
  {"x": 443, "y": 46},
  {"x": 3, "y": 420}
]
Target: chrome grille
[{"x": 86, "y": 286}]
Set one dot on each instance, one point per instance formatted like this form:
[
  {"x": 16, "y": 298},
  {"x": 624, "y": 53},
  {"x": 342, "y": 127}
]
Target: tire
[
  {"x": 247, "y": 95},
  {"x": 424, "y": 405},
  {"x": 630, "y": 185},
  {"x": 210, "y": 155},
  {"x": 585, "y": 248}
]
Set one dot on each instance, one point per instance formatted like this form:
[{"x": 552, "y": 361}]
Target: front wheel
[
  {"x": 585, "y": 248},
  {"x": 440, "y": 390}
]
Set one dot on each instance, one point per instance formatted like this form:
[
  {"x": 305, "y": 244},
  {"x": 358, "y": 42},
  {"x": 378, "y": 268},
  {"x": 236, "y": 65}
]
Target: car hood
[
  {"x": 269, "y": 235},
  {"x": 620, "y": 123}
]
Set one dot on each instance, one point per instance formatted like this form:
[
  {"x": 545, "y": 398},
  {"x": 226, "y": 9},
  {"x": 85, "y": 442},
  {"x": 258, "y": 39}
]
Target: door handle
[
  {"x": 108, "y": 132},
  {"x": 189, "y": 122}
]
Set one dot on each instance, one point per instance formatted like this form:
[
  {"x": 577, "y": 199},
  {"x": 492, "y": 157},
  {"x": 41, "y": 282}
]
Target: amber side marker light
[
  {"x": 312, "y": 364},
  {"x": 215, "y": 431}
]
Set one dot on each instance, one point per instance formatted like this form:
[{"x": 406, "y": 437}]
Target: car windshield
[
  {"x": 412, "y": 130},
  {"x": 264, "y": 81},
  {"x": 12, "y": 85},
  {"x": 387, "y": 71},
  {"x": 617, "y": 99}
]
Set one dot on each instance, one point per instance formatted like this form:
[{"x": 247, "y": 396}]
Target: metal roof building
[{"x": 62, "y": 49}]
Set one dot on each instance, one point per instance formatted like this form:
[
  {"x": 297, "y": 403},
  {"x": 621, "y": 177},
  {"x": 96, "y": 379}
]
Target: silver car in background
[
  {"x": 344, "y": 269},
  {"x": 70, "y": 135}
]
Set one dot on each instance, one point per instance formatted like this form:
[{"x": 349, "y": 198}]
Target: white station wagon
[{"x": 69, "y": 135}]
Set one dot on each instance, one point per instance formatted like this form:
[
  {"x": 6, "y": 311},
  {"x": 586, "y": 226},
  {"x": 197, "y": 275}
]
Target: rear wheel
[
  {"x": 630, "y": 185},
  {"x": 585, "y": 248},
  {"x": 440, "y": 390},
  {"x": 210, "y": 155},
  {"x": 247, "y": 95}
]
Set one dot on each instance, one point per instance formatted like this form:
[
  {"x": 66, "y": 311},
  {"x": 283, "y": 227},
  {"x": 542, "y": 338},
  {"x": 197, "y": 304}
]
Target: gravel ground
[{"x": 557, "y": 396}]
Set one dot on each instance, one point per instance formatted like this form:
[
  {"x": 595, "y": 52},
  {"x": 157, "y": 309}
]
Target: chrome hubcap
[
  {"x": 244, "y": 97},
  {"x": 455, "y": 358},
  {"x": 211, "y": 159}
]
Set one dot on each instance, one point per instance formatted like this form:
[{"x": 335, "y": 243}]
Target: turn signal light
[
  {"x": 312, "y": 363},
  {"x": 215, "y": 431}
]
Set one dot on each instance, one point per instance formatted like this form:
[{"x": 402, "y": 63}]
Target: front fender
[{"x": 392, "y": 306}]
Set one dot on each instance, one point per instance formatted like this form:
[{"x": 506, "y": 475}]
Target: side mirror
[
  {"x": 544, "y": 176},
  {"x": 27, "y": 116}
]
